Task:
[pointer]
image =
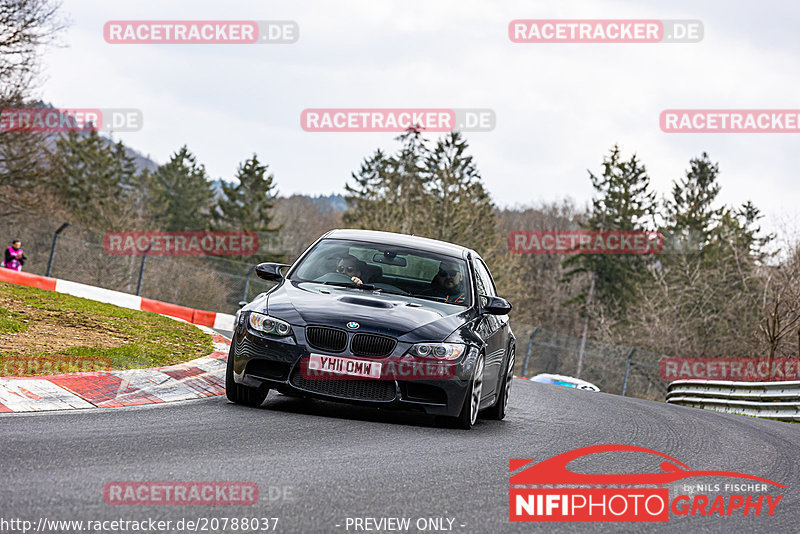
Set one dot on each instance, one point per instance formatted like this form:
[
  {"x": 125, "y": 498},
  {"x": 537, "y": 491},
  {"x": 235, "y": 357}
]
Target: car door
[{"x": 493, "y": 330}]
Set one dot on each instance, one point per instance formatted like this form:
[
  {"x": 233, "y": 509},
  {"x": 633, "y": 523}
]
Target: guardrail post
[
  {"x": 528, "y": 352},
  {"x": 627, "y": 370},
  {"x": 53, "y": 248}
]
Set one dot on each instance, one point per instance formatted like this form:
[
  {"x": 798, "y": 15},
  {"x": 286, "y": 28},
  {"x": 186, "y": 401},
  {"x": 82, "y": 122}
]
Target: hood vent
[{"x": 361, "y": 301}]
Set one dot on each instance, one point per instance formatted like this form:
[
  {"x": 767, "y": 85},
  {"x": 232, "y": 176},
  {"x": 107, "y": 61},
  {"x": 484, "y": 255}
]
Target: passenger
[
  {"x": 351, "y": 266},
  {"x": 447, "y": 284}
]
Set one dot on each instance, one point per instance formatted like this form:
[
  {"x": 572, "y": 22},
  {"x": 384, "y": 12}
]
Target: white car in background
[{"x": 568, "y": 381}]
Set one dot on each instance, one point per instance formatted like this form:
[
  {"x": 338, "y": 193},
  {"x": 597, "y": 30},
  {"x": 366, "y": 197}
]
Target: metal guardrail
[{"x": 776, "y": 400}]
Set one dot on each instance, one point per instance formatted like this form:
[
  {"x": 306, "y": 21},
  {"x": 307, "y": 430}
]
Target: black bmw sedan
[{"x": 380, "y": 319}]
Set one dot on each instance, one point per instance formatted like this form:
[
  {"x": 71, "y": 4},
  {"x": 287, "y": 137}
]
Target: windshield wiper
[
  {"x": 430, "y": 297},
  {"x": 390, "y": 292},
  {"x": 368, "y": 287}
]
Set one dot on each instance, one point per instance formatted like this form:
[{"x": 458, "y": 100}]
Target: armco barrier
[
  {"x": 776, "y": 400},
  {"x": 221, "y": 321}
]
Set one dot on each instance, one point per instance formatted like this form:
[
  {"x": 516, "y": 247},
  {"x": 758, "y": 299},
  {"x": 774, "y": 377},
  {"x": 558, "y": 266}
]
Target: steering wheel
[{"x": 333, "y": 277}]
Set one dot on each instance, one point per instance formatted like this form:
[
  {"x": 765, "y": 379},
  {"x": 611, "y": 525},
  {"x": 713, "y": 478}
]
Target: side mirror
[
  {"x": 270, "y": 271},
  {"x": 496, "y": 305}
]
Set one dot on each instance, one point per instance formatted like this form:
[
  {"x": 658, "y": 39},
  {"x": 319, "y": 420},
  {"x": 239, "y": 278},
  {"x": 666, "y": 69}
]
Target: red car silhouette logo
[{"x": 554, "y": 470}]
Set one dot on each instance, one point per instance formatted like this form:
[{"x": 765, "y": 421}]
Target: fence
[
  {"x": 76, "y": 253},
  {"x": 615, "y": 369},
  {"x": 776, "y": 400}
]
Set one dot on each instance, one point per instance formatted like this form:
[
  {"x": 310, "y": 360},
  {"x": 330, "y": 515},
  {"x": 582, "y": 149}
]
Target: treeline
[
  {"x": 714, "y": 290},
  {"x": 100, "y": 186},
  {"x": 88, "y": 180}
]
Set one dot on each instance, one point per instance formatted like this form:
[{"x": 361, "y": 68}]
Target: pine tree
[
  {"x": 95, "y": 180},
  {"x": 408, "y": 199},
  {"x": 695, "y": 228},
  {"x": 462, "y": 211},
  {"x": 689, "y": 213},
  {"x": 247, "y": 204},
  {"x": 389, "y": 191},
  {"x": 181, "y": 194},
  {"x": 364, "y": 195},
  {"x": 623, "y": 201},
  {"x": 708, "y": 292},
  {"x": 436, "y": 193}
]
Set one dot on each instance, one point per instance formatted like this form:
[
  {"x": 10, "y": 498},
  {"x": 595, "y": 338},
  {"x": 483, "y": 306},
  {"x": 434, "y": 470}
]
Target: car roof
[{"x": 402, "y": 240}]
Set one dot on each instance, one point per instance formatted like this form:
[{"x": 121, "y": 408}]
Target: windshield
[{"x": 388, "y": 269}]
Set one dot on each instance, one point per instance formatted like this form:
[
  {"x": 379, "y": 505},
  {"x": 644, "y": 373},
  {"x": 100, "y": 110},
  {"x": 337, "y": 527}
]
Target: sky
[{"x": 559, "y": 107}]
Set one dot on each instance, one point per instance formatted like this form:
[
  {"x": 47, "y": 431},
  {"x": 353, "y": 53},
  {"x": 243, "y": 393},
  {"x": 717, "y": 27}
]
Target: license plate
[{"x": 344, "y": 366}]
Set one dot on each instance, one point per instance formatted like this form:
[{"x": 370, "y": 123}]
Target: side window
[{"x": 484, "y": 279}]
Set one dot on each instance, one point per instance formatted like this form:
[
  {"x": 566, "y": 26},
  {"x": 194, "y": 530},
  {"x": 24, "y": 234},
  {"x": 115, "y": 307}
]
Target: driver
[
  {"x": 447, "y": 284},
  {"x": 350, "y": 266}
]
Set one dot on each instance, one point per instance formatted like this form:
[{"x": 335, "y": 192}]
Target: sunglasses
[
  {"x": 451, "y": 274},
  {"x": 347, "y": 269}
]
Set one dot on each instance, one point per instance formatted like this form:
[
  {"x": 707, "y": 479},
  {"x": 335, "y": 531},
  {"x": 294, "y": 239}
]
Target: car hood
[{"x": 406, "y": 318}]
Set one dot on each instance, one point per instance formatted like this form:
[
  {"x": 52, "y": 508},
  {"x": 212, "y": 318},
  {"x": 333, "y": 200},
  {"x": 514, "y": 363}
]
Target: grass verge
[{"x": 43, "y": 332}]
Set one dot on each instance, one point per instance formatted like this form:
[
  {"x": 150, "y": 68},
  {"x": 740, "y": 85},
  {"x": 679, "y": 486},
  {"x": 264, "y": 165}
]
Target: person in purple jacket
[{"x": 14, "y": 257}]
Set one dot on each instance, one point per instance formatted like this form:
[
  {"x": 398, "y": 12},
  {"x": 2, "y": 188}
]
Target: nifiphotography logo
[{"x": 549, "y": 491}]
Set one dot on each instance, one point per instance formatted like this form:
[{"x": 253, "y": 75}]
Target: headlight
[
  {"x": 439, "y": 351},
  {"x": 269, "y": 325}
]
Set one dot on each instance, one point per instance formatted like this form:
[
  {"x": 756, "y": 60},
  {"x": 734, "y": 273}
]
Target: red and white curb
[
  {"x": 222, "y": 321},
  {"x": 203, "y": 377}
]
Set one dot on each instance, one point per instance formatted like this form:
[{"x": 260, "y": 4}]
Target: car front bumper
[{"x": 262, "y": 361}]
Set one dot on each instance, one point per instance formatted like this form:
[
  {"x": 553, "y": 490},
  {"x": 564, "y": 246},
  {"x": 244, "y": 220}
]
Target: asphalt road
[{"x": 340, "y": 461}]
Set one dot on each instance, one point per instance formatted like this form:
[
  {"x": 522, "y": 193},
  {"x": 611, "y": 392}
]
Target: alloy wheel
[{"x": 477, "y": 389}]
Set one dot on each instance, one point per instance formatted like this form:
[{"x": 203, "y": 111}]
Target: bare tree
[
  {"x": 533, "y": 282},
  {"x": 25, "y": 27},
  {"x": 303, "y": 219},
  {"x": 780, "y": 305}
]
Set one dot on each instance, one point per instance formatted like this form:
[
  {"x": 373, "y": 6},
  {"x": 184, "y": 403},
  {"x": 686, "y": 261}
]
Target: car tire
[
  {"x": 498, "y": 411},
  {"x": 239, "y": 393},
  {"x": 472, "y": 401}
]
